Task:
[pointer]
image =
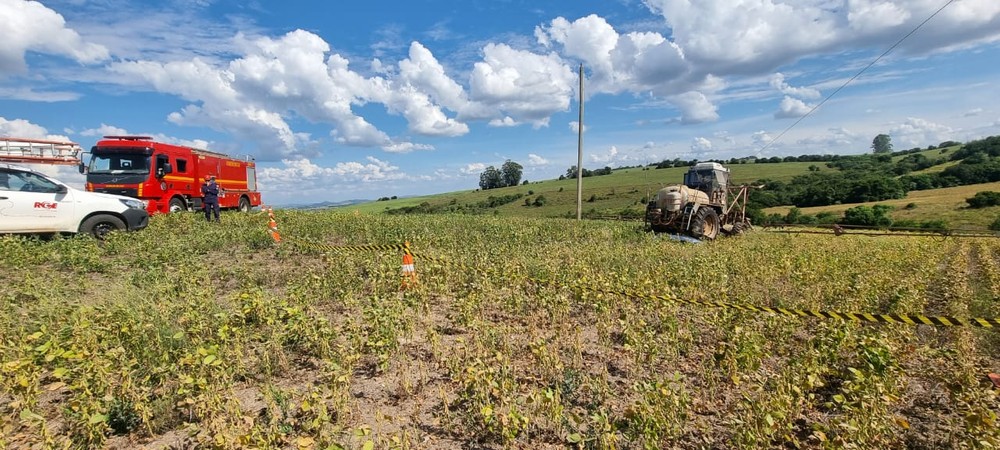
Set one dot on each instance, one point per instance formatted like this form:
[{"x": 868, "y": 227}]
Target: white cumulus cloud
[
  {"x": 22, "y": 128},
  {"x": 701, "y": 146},
  {"x": 104, "y": 130},
  {"x": 608, "y": 157},
  {"x": 791, "y": 108},
  {"x": 695, "y": 108},
  {"x": 31, "y": 26},
  {"x": 525, "y": 86},
  {"x": 305, "y": 171},
  {"x": 506, "y": 121},
  {"x": 759, "y": 35},
  {"x": 916, "y": 132},
  {"x": 535, "y": 160},
  {"x": 296, "y": 74},
  {"x": 473, "y": 168},
  {"x": 777, "y": 82}
]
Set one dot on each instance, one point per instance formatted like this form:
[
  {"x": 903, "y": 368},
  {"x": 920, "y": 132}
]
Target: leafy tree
[
  {"x": 990, "y": 146},
  {"x": 873, "y": 188},
  {"x": 874, "y": 216},
  {"x": 984, "y": 199},
  {"x": 920, "y": 182},
  {"x": 491, "y": 178},
  {"x": 511, "y": 173},
  {"x": 882, "y": 144},
  {"x": 793, "y": 215}
]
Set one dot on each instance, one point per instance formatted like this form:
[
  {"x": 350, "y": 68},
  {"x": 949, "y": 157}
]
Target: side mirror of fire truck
[
  {"x": 164, "y": 169},
  {"x": 82, "y": 166}
]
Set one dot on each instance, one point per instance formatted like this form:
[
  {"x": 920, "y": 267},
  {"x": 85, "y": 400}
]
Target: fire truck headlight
[{"x": 134, "y": 204}]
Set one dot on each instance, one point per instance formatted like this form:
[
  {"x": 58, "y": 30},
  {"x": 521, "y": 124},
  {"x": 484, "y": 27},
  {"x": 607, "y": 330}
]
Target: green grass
[
  {"x": 946, "y": 204},
  {"x": 624, "y": 188},
  {"x": 937, "y": 153}
]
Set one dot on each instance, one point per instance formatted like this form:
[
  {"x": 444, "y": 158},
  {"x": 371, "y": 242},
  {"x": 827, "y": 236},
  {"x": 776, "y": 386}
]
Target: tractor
[{"x": 703, "y": 207}]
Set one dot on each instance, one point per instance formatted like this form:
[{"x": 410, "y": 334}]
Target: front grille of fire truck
[{"x": 119, "y": 191}]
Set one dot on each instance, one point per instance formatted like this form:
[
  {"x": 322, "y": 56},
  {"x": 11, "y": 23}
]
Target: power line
[{"x": 890, "y": 49}]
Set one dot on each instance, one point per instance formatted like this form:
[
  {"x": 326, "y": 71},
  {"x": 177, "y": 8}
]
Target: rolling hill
[{"x": 624, "y": 193}]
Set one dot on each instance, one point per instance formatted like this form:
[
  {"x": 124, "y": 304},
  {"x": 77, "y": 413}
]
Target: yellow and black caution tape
[
  {"x": 362, "y": 248},
  {"x": 909, "y": 319},
  {"x": 347, "y": 248}
]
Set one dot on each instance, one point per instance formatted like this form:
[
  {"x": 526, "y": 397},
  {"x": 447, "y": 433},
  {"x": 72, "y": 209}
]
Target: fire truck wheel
[
  {"x": 100, "y": 225},
  {"x": 244, "y": 204},
  {"x": 177, "y": 205}
]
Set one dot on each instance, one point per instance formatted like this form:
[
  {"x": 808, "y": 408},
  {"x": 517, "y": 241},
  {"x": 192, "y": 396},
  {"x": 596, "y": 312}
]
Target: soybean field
[{"x": 520, "y": 333}]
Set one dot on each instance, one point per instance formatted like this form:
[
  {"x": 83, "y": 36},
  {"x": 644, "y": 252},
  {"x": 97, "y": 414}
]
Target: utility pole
[{"x": 579, "y": 154}]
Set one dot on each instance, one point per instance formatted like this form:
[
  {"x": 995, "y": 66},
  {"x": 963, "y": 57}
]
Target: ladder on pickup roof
[{"x": 39, "y": 151}]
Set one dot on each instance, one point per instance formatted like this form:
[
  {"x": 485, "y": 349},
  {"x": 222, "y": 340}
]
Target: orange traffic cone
[
  {"x": 272, "y": 226},
  {"x": 409, "y": 271}
]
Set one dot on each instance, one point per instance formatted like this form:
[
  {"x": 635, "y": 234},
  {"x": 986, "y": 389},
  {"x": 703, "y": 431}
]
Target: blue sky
[{"x": 383, "y": 98}]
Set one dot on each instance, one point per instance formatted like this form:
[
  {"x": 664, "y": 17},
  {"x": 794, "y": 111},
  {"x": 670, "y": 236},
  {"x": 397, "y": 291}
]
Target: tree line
[
  {"x": 875, "y": 177},
  {"x": 571, "y": 172}
]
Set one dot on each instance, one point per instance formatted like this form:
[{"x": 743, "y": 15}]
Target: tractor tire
[
  {"x": 649, "y": 217},
  {"x": 738, "y": 229},
  {"x": 705, "y": 224}
]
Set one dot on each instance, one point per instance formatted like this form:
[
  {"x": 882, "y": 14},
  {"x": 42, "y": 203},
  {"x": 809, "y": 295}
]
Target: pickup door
[{"x": 32, "y": 204}]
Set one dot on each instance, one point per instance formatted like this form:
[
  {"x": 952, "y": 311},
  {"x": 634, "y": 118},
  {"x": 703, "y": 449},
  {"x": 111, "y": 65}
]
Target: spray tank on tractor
[{"x": 704, "y": 206}]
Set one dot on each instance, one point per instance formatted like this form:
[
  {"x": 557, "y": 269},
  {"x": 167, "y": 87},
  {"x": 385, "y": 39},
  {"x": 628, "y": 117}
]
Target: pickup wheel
[
  {"x": 244, "y": 205},
  {"x": 177, "y": 205},
  {"x": 101, "y": 225}
]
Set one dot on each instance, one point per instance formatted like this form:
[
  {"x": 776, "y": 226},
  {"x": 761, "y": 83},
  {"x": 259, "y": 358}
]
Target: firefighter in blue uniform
[{"x": 210, "y": 198}]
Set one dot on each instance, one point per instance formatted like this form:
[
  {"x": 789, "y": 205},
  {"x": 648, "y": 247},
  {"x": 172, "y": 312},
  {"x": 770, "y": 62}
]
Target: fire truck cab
[{"x": 168, "y": 177}]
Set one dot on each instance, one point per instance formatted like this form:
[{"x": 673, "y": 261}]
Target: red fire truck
[{"x": 167, "y": 177}]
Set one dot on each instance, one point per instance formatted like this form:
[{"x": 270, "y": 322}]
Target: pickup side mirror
[{"x": 61, "y": 189}]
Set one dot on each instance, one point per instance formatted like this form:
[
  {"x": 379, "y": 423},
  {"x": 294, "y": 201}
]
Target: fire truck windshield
[{"x": 115, "y": 163}]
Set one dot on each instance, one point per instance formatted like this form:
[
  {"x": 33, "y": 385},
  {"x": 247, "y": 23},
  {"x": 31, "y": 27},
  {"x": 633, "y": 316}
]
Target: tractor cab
[{"x": 709, "y": 177}]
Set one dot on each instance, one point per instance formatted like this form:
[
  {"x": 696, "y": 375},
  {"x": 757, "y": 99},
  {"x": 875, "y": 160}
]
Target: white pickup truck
[{"x": 34, "y": 203}]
